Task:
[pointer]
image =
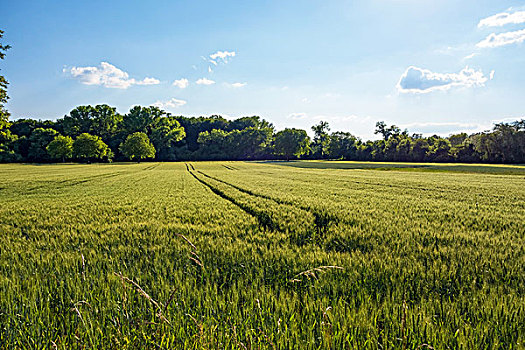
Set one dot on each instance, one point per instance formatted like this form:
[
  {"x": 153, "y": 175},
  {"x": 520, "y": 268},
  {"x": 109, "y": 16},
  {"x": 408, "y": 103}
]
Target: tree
[
  {"x": 342, "y": 145},
  {"x": 105, "y": 122},
  {"x": 387, "y": 132},
  {"x": 166, "y": 131},
  {"x": 321, "y": 138},
  {"x": 88, "y": 147},
  {"x": 141, "y": 119},
  {"x": 60, "y": 148},
  {"x": 78, "y": 121},
  {"x": 291, "y": 143},
  {"x": 4, "y": 114},
  {"x": 137, "y": 147},
  {"x": 38, "y": 142},
  {"x": 7, "y": 141}
]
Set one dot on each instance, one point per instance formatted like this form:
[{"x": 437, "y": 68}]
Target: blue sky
[{"x": 431, "y": 66}]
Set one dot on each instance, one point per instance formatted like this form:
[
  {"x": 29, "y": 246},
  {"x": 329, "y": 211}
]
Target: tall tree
[
  {"x": 38, "y": 142},
  {"x": 105, "y": 121},
  {"x": 141, "y": 119},
  {"x": 137, "y": 146},
  {"x": 291, "y": 143},
  {"x": 342, "y": 145},
  {"x": 166, "y": 131},
  {"x": 321, "y": 138},
  {"x": 60, "y": 148},
  {"x": 387, "y": 132},
  {"x": 4, "y": 114},
  {"x": 78, "y": 121},
  {"x": 89, "y": 147}
]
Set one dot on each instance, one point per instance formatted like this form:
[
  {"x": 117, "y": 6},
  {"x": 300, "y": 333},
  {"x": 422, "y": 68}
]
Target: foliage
[
  {"x": 253, "y": 138},
  {"x": 90, "y": 147},
  {"x": 60, "y": 148},
  {"x": 38, "y": 142},
  {"x": 4, "y": 114},
  {"x": 291, "y": 143},
  {"x": 342, "y": 145},
  {"x": 321, "y": 139},
  {"x": 262, "y": 255},
  {"x": 137, "y": 147}
]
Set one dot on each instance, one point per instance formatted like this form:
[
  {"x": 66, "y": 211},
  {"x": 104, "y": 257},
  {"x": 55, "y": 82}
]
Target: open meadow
[{"x": 262, "y": 255}]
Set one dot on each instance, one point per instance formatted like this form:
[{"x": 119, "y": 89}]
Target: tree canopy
[
  {"x": 137, "y": 146},
  {"x": 60, "y": 148},
  {"x": 90, "y": 147},
  {"x": 99, "y": 133},
  {"x": 291, "y": 143}
]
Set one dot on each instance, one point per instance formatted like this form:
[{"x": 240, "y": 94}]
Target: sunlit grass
[{"x": 235, "y": 255}]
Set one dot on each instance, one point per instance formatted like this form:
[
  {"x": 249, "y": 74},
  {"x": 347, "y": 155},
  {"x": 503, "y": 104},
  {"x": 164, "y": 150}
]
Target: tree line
[{"x": 100, "y": 133}]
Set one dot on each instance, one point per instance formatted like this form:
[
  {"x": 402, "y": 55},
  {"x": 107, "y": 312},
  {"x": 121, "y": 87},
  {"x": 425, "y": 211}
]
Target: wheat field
[{"x": 262, "y": 255}]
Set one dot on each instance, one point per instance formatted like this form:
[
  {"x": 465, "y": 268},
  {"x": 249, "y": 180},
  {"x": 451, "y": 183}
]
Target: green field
[{"x": 262, "y": 255}]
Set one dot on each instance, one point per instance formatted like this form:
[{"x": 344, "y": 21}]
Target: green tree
[
  {"x": 321, "y": 138},
  {"x": 291, "y": 143},
  {"x": 342, "y": 145},
  {"x": 141, "y": 119},
  {"x": 387, "y": 132},
  {"x": 137, "y": 147},
  {"x": 105, "y": 121},
  {"x": 166, "y": 131},
  {"x": 78, "y": 121},
  {"x": 4, "y": 114},
  {"x": 38, "y": 142},
  {"x": 60, "y": 148},
  {"x": 89, "y": 147}
]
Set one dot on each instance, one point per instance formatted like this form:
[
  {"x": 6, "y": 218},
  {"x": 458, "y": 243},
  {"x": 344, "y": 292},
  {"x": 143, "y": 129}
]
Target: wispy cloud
[
  {"x": 298, "y": 116},
  {"x": 107, "y": 75},
  {"x": 503, "y": 18},
  {"x": 502, "y": 39},
  {"x": 204, "y": 81},
  {"x": 418, "y": 80},
  {"x": 171, "y": 103},
  {"x": 181, "y": 83},
  {"x": 330, "y": 118},
  {"x": 223, "y": 56},
  {"x": 472, "y": 55},
  {"x": 235, "y": 85}
]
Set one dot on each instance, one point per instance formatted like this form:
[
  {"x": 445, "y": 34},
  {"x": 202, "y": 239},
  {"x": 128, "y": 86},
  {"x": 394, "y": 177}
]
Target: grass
[
  {"x": 278, "y": 255},
  {"x": 506, "y": 169}
]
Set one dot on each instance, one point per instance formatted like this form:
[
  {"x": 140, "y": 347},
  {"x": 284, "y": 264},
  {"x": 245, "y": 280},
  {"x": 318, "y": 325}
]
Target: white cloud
[
  {"x": 236, "y": 85},
  {"x": 502, "y": 39},
  {"x": 147, "y": 81},
  {"x": 221, "y": 56},
  {"x": 472, "y": 55},
  {"x": 503, "y": 18},
  {"x": 298, "y": 116},
  {"x": 108, "y": 76},
  {"x": 181, "y": 83},
  {"x": 210, "y": 70},
  {"x": 204, "y": 81},
  {"x": 171, "y": 103},
  {"x": 418, "y": 80},
  {"x": 491, "y": 76}
]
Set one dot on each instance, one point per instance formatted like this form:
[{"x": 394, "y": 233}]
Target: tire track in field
[
  {"x": 151, "y": 167},
  {"x": 72, "y": 182},
  {"x": 321, "y": 219},
  {"x": 262, "y": 218}
]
